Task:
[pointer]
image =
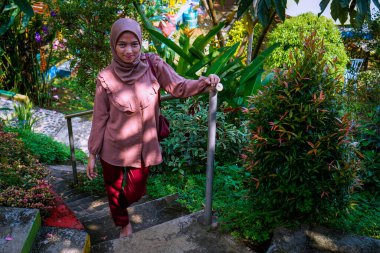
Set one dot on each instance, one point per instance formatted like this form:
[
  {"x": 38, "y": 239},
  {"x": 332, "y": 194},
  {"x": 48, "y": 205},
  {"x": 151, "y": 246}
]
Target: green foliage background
[
  {"x": 362, "y": 103},
  {"x": 185, "y": 150},
  {"x": 86, "y": 26},
  {"x": 291, "y": 35}
]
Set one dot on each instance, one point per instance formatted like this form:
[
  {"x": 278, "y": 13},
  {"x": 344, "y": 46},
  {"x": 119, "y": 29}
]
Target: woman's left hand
[{"x": 212, "y": 80}]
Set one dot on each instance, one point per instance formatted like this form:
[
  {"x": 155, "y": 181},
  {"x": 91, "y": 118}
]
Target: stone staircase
[{"x": 159, "y": 225}]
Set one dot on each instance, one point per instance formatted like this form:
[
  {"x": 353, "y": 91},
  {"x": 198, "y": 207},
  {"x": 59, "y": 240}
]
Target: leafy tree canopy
[
  {"x": 291, "y": 35},
  {"x": 356, "y": 10}
]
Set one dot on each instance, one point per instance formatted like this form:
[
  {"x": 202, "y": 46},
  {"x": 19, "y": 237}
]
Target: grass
[
  {"x": 46, "y": 149},
  {"x": 362, "y": 217}
]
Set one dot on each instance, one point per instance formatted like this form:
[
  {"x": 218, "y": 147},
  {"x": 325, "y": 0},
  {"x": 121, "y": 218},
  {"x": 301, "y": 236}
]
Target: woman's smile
[{"x": 128, "y": 47}]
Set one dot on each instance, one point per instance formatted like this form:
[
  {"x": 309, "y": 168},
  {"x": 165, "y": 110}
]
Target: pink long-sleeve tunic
[{"x": 125, "y": 119}]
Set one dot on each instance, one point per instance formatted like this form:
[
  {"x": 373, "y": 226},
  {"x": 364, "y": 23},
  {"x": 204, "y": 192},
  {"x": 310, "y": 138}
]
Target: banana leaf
[
  {"x": 267, "y": 79},
  {"x": 170, "y": 44},
  {"x": 25, "y": 7},
  {"x": 229, "y": 81},
  {"x": 201, "y": 63},
  {"x": 9, "y": 7},
  {"x": 4, "y": 28},
  {"x": 182, "y": 65},
  {"x": 220, "y": 62},
  {"x": 257, "y": 64},
  {"x": 24, "y": 23},
  {"x": 254, "y": 84},
  {"x": 201, "y": 41},
  {"x": 233, "y": 66}
]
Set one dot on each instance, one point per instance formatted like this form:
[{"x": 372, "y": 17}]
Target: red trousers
[{"x": 119, "y": 197}]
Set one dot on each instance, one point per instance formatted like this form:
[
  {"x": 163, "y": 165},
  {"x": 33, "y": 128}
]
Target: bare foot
[{"x": 126, "y": 231}]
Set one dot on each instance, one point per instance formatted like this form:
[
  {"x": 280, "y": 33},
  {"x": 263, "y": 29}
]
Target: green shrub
[
  {"x": 22, "y": 37},
  {"x": 363, "y": 105},
  {"x": 185, "y": 150},
  {"x": 46, "y": 149},
  {"x": 362, "y": 216},
  {"x": 229, "y": 187},
  {"x": 301, "y": 156},
  {"x": 22, "y": 181},
  {"x": 230, "y": 202},
  {"x": 291, "y": 35}
]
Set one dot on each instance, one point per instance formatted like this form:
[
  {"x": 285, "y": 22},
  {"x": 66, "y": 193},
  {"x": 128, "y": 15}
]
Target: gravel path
[{"x": 53, "y": 124}]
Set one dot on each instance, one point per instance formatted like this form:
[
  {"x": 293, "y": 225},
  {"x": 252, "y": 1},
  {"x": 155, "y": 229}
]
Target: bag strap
[{"x": 154, "y": 73}]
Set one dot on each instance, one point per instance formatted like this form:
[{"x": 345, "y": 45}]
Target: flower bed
[{"x": 22, "y": 177}]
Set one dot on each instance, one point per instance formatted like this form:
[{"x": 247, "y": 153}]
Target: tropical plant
[
  {"x": 155, "y": 10},
  {"x": 266, "y": 13},
  {"x": 302, "y": 158},
  {"x": 24, "y": 115},
  {"x": 14, "y": 19},
  {"x": 201, "y": 58},
  {"x": 26, "y": 49},
  {"x": 185, "y": 150},
  {"x": 291, "y": 36}
]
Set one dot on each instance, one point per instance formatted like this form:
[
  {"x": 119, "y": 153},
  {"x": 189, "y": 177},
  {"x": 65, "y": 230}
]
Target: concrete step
[
  {"x": 183, "y": 234},
  {"x": 18, "y": 229},
  {"x": 101, "y": 228},
  {"x": 75, "y": 196},
  {"x": 96, "y": 213},
  {"x": 154, "y": 212},
  {"x": 80, "y": 201},
  {"x": 84, "y": 210},
  {"x": 52, "y": 240}
]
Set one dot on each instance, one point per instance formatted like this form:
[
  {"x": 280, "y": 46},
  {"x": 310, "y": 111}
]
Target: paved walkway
[{"x": 53, "y": 124}]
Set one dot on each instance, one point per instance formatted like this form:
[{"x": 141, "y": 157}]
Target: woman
[{"x": 126, "y": 110}]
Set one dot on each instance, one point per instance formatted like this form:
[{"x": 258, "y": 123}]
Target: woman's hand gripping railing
[{"x": 213, "y": 100}]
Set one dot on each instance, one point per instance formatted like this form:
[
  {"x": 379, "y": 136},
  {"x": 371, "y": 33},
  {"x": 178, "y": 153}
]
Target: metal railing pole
[
  {"x": 71, "y": 140},
  {"x": 72, "y": 150},
  {"x": 213, "y": 99}
]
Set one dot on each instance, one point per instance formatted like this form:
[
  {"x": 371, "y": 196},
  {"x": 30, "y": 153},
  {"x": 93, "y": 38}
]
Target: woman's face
[{"x": 128, "y": 47}]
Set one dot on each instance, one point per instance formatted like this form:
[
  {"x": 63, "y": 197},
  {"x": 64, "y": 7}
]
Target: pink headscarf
[{"x": 127, "y": 72}]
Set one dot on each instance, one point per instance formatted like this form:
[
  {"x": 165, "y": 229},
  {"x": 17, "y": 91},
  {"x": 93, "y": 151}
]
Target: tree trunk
[
  {"x": 249, "y": 49},
  {"x": 210, "y": 9},
  {"x": 262, "y": 36}
]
